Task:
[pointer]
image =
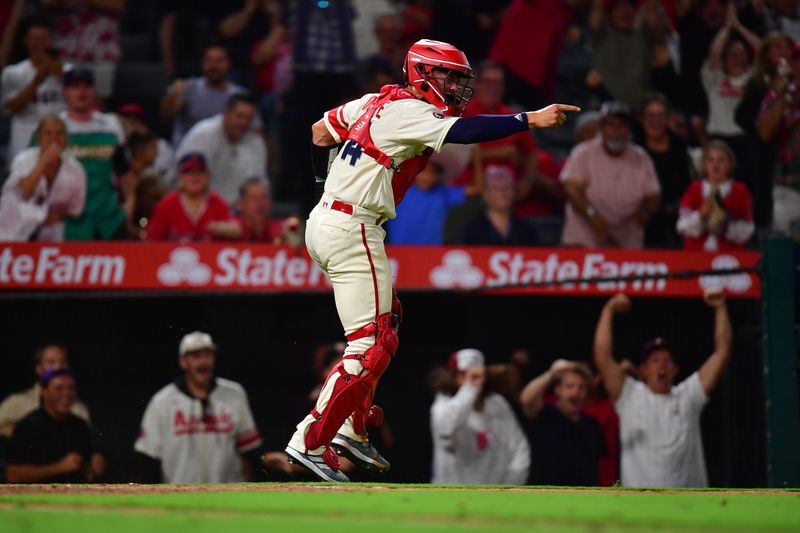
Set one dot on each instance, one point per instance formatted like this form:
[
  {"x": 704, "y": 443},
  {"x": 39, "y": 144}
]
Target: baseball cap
[
  {"x": 48, "y": 375},
  {"x": 192, "y": 161},
  {"x": 653, "y": 345},
  {"x": 615, "y": 108},
  {"x": 78, "y": 75},
  {"x": 196, "y": 340},
  {"x": 466, "y": 358}
]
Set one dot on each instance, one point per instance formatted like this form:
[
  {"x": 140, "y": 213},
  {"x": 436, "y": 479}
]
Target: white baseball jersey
[
  {"x": 49, "y": 100},
  {"x": 484, "y": 447},
  {"x": 660, "y": 435},
  {"x": 21, "y": 217},
  {"x": 402, "y": 129},
  {"x": 196, "y": 446}
]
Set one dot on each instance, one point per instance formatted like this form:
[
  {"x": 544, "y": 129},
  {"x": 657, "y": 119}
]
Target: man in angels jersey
[
  {"x": 198, "y": 429},
  {"x": 387, "y": 139}
]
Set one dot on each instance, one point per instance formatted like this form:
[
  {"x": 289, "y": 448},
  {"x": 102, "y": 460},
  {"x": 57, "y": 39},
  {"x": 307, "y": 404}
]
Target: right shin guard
[{"x": 350, "y": 392}]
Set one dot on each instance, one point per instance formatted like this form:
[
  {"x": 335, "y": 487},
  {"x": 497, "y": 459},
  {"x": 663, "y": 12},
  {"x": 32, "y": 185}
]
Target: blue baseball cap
[
  {"x": 652, "y": 346},
  {"x": 51, "y": 373},
  {"x": 78, "y": 75}
]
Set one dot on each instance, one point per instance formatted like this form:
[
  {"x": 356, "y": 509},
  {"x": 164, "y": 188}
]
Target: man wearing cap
[
  {"x": 611, "y": 185},
  {"x": 50, "y": 356},
  {"x": 233, "y": 150},
  {"x": 567, "y": 443},
  {"x": 199, "y": 428},
  {"x": 660, "y": 424},
  {"x": 93, "y": 136},
  {"x": 31, "y": 89},
  {"x": 476, "y": 437},
  {"x": 189, "y": 213},
  {"x": 52, "y": 445}
]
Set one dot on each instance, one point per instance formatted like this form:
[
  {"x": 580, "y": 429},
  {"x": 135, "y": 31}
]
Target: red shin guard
[{"x": 351, "y": 393}]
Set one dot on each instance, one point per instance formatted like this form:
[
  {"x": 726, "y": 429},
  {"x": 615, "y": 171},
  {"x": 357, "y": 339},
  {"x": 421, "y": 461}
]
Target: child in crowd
[{"x": 717, "y": 211}]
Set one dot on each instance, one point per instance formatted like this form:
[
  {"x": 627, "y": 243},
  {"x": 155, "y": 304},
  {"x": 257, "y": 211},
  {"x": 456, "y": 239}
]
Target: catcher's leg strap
[
  {"x": 371, "y": 328},
  {"x": 351, "y": 391}
]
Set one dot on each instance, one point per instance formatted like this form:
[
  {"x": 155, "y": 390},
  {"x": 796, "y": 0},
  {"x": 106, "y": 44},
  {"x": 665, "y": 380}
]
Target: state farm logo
[
  {"x": 456, "y": 270},
  {"x": 54, "y": 267},
  {"x": 740, "y": 282},
  {"x": 237, "y": 267},
  {"x": 184, "y": 267}
]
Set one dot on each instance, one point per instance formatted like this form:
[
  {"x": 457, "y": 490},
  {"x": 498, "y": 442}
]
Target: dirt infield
[{"x": 133, "y": 488}]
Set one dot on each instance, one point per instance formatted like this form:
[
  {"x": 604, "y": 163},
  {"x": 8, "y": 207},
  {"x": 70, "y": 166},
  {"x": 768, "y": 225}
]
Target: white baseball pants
[{"x": 349, "y": 248}]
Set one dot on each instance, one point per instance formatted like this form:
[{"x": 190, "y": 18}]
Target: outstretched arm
[
  {"x": 483, "y": 128},
  {"x": 613, "y": 373},
  {"x": 715, "y": 365},
  {"x": 720, "y": 40}
]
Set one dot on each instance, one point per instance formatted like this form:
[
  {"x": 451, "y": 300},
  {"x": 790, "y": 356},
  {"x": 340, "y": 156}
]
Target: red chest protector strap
[{"x": 360, "y": 134}]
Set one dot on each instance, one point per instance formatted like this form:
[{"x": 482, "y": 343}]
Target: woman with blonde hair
[
  {"x": 716, "y": 212},
  {"x": 770, "y": 71}
]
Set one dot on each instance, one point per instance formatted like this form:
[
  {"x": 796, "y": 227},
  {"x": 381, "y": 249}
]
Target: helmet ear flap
[{"x": 424, "y": 86}]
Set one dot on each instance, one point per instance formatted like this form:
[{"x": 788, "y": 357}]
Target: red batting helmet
[{"x": 441, "y": 74}]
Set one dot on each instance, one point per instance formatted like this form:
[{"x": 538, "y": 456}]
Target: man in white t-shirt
[
  {"x": 31, "y": 89},
  {"x": 660, "y": 423},
  {"x": 476, "y": 436},
  {"x": 387, "y": 139},
  {"x": 46, "y": 186},
  {"x": 233, "y": 150},
  {"x": 198, "y": 429}
]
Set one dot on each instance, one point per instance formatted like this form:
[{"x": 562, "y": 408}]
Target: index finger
[{"x": 569, "y": 108}]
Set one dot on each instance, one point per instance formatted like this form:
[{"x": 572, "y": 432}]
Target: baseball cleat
[
  {"x": 362, "y": 454},
  {"x": 317, "y": 465}
]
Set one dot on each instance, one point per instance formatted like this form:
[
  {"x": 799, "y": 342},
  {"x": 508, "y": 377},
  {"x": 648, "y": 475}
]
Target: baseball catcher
[{"x": 365, "y": 155}]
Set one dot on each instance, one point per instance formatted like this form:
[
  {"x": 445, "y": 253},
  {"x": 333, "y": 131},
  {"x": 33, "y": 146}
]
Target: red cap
[{"x": 192, "y": 161}]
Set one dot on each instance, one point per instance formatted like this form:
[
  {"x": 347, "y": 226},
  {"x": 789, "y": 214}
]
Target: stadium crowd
[{"x": 174, "y": 110}]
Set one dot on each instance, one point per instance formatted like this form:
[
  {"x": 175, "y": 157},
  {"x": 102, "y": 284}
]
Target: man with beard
[
  {"x": 567, "y": 443},
  {"x": 660, "y": 424},
  {"x": 198, "y": 428},
  {"x": 476, "y": 437},
  {"x": 611, "y": 185}
]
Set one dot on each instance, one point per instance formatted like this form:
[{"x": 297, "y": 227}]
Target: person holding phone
[{"x": 32, "y": 88}]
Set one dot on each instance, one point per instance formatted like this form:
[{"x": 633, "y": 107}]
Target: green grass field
[{"x": 385, "y": 508}]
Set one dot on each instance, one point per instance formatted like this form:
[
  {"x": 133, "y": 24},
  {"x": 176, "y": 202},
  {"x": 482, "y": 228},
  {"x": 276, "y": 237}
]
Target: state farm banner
[{"x": 242, "y": 267}]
